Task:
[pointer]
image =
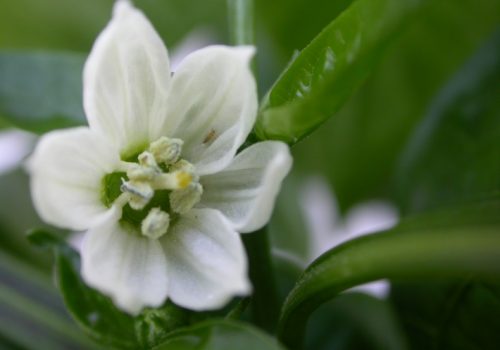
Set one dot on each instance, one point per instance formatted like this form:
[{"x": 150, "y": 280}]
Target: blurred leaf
[
  {"x": 453, "y": 155},
  {"x": 31, "y": 314},
  {"x": 421, "y": 252},
  {"x": 220, "y": 335},
  {"x": 459, "y": 315},
  {"x": 357, "y": 150},
  {"x": 41, "y": 91},
  {"x": 287, "y": 225},
  {"x": 17, "y": 215},
  {"x": 298, "y": 22},
  {"x": 355, "y": 321},
  {"x": 96, "y": 313},
  {"x": 325, "y": 74},
  {"x": 74, "y": 25}
]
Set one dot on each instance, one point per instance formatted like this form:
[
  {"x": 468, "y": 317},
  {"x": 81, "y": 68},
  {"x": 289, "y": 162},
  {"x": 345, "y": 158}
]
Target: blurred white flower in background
[
  {"x": 14, "y": 147},
  {"x": 328, "y": 229}
]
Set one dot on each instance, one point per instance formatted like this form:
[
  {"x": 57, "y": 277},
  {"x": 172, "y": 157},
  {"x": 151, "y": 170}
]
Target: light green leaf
[
  {"x": 416, "y": 249},
  {"x": 220, "y": 335},
  {"x": 325, "y": 74},
  {"x": 41, "y": 91}
]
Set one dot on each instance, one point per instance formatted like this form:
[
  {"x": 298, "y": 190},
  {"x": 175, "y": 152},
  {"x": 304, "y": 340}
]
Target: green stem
[
  {"x": 412, "y": 255},
  {"x": 241, "y": 22},
  {"x": 265, "y": 309}
]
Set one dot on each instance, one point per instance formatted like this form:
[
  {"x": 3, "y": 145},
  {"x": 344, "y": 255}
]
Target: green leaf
[
  {"x": 325, "y": 74},
  {"x": 220, "y": 335},
  {"x": 425, "y": 250},
  {"x": 96, "y": 313},
  {"x": 355, "y": 321},
  {"x": 461, "y": 315},
  {"x": 453, "y": 155},
  {"x": 41, "y": 91},
  {"x": 358, "y": 149},
  {"x": 31, "y": 314}
]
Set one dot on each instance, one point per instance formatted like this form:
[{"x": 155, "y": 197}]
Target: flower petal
[
  {"x": 212, "y": 105},
  {"x": 66, "y": 170},
  {"x": 126, "y": 78},
  {"x": 121, "y": 263},
  {"x": 246, "y": 190},
  {"x": 206, "y": 259}
]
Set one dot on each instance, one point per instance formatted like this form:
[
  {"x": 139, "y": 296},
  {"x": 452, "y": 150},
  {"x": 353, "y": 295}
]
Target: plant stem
[
  {"x": 241, "y": 25},
  {"x": 265, "y": 309}
]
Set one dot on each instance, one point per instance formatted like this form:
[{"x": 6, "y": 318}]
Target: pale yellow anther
[
  {"x": 182, "y": 200},
  {"x": 146, "y": 170},
  {"x": 185, "y": 166},
  {"x": 155, "y": 224},
  {"x": 147, "y": 159},
  {"x": 184, "y": 179},
  {"x": 166, "y": 150},
  {"x": 141, "y": 173},
  {"x": 140, "y": 193}
]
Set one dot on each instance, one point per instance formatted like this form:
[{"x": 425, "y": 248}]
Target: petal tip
[{"x": 121, "y": 7}]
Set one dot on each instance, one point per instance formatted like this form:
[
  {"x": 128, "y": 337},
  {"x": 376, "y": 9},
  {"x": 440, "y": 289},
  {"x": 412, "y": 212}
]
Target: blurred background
[{"x": 344, "y": 179}]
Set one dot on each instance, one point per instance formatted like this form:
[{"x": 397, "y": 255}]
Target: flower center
[{"x": 154, "y": 190}]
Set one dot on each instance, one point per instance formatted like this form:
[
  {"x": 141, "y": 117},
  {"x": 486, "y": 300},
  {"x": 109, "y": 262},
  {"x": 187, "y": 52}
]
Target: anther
[
  {"x": 166, "y": 150},
  {"x": 181, "y": 201},
  {"x": 140, "y": 193},
  {"x": 155, "y": 224}
]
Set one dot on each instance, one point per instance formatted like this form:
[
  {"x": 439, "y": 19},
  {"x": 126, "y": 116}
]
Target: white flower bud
[
  {"x": 166, "y": 150},
  {"x": 155, "y": 224},
  {"x": 181, "y": 201}
]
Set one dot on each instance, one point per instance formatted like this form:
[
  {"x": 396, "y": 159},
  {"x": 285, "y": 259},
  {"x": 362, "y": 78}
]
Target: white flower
[{"x": 155, "y": 180}]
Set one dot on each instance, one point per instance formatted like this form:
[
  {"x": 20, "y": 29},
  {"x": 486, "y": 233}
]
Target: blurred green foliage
[{"x": 359, "y": 152}]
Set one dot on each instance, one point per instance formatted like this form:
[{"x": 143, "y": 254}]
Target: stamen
[
  {"x": 155, "y": 224},
  {"x": 166, "y": 150},
  {"x": 172, "y": 181},
  {"x": 140, "y": 193},
  {"x": 181, "y": 201},
  {"x": 184, "y": 165}
]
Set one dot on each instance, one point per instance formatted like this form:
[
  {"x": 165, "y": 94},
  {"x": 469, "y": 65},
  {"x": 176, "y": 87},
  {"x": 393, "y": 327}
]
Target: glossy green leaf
[
  {"x": 453, "y": 155},
  {"x": 357, "y": 150},
  {"x": 220, "y": 335},
  {"x": 425, "y": 250},
  {"x": 41, "y": 91},
  {"x": 325, "y": 74},
  {"x": 96, "y": 313}
]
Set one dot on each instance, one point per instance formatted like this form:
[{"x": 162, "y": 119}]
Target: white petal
[
  {"x": 246, "y": 190},
  {"x": 66, "y": 170},
  {"x": 212, "y": 105},
  {"x": 125, "y": 78},
  {"x": 121, "y": 263},
  {"x": 206, "y": 260}
]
